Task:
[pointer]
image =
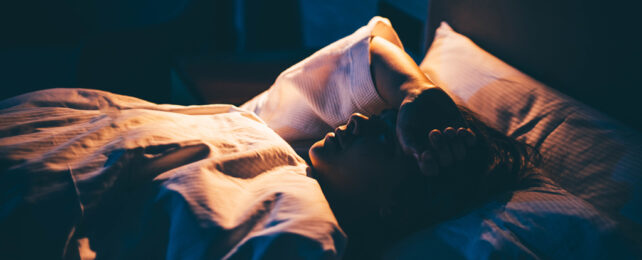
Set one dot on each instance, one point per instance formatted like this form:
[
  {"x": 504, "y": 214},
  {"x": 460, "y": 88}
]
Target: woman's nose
[{"x": 356, "y": 123}]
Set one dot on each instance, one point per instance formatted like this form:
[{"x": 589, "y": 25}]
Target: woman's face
[{"x": 360, "y": 162}]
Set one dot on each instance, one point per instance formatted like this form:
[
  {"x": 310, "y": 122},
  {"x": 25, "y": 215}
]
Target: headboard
[{"x": 570, "y": 45}]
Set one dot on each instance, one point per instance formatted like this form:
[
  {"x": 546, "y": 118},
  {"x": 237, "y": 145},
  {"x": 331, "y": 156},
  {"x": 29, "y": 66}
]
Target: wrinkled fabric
[
  {"x": 224, "y": 183},
  {"x": 323, "y": 90},
  {"x": 96, "y": 174},
  {"x": 589, "y": 207},
  {"x": 541, "y": 222}
]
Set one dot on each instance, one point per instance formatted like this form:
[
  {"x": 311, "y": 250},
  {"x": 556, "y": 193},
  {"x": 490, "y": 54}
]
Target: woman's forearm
[{"x": 395, "y": 75}]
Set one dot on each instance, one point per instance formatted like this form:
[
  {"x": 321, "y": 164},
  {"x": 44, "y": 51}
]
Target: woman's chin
[
  {"x": 322, "y": 156},
  {"x": 317, "y": 152}
]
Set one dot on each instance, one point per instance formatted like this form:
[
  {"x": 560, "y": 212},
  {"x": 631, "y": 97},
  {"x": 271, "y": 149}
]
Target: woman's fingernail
[
  {"x": 435, "y": 136},
  {"x": 449, "y": 132},
  {"x": 470, "y": 137}
]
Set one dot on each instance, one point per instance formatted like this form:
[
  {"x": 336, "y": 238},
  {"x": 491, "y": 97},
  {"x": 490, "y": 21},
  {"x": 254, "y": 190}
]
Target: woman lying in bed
[
  {"x": 392, "y": 173},
  {"x": 88, "y": 172}
]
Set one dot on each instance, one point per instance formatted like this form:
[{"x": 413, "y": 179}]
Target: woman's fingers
[
  {"x": 468, "y": 136},
  {"x": 457, "y": 144},
  {"x": 440, "y": 145},
  {"x": 446, "y": 150},
  {"x": 449, "y": 133},
  {"x": 450, "y": 146}
]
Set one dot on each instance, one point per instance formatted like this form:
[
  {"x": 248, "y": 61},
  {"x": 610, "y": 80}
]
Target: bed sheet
[
  {"x": 225, "y": 182},
  {"x": 154, "y": 180},
  {"x": 541, "y": 222}
]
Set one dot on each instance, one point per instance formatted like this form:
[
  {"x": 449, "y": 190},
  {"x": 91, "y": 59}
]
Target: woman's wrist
[
  {"x": 411, "y": 90},
  {"x": 396, "y": 76}
]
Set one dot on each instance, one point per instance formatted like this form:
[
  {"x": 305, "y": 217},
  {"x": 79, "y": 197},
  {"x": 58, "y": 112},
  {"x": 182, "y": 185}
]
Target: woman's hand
[
  {"x": 447, "y": 150},
  {"x": 431, "y": 128},
  {"x": 423, "y": 107}
]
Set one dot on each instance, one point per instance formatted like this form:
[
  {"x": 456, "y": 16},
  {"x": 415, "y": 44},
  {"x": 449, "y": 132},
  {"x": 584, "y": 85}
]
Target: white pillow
[
  {"x": 587, "y": 153},
  {"x": 591, "y": 156}
]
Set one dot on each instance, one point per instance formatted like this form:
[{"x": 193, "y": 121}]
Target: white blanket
[
  {"x": 227, "y": 183},
  {"x": 179, "y": 182}
]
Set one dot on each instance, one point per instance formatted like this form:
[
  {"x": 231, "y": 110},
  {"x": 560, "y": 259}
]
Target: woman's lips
[
  {"x": 344, "y": 137},
  {"x": 340, "y": 137}
]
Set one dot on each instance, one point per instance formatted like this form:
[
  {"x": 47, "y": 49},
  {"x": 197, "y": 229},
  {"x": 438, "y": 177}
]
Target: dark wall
[
  {"x": 120, "y": 46},
  {"x": 129, "y": 46},
  {"x": 587, "y": 49}
]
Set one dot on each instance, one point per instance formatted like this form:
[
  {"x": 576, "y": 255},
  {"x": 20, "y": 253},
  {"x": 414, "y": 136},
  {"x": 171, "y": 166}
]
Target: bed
[
  {"x": 589, "y": 206},
  {"x": 534, "y": 70}
]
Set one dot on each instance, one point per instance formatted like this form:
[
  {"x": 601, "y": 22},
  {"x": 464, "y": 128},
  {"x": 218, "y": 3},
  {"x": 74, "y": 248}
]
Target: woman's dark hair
[
  {"x": 496, "y": 165},
  {"x": 505, "y": 163}
]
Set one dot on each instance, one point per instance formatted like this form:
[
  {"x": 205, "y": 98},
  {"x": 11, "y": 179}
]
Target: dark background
[
  {"x": 225, "y": 51},
  {"x": 216, "y": 50}
]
